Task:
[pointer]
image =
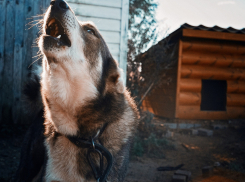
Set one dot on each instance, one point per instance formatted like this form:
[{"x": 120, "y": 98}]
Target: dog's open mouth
[{"x": 55, "y": 29}]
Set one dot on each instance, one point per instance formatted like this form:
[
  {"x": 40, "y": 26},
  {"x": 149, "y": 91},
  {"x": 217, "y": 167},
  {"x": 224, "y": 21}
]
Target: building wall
[
  {"x": 161, "y": 100},
  {"x": 19, "y": 29},
  {"x": 210, "y": 60}
]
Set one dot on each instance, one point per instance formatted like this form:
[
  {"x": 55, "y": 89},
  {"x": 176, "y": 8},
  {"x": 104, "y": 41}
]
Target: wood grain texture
[
  {"x": 235, "y": 86},
  {"x": 114, "y": 48},
  {"x": 103, "y": 24},
  {"x": 2, "y": 40},
  {"x": 178, "y": 78},
  {"x": 213, "y": 47},
  {"x": 28, "y": 39},
  {"x": 96, "y": 11},
  {"x": 193, "y": 112},
  {"x": 36, "y": 29},
  {"x": 107, "y": 3},
  {"x": 7, "y": 98},
  {"x": 201, "y": 72},
  {"x": 17, "y": 61},
  {"x": 190, "y": 98},
  {"x": 124, "y": 38},
  {"x": 217, "y": 60},
  {"x": 190, "y": 85},
  {"x": 237, "y": 100},
  {"x": 213, "y": 35},
  {"x": 111, "y": 37}
]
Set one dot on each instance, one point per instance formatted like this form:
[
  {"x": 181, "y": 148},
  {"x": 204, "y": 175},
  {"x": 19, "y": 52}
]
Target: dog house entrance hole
[{"x": 213, "y": 95}]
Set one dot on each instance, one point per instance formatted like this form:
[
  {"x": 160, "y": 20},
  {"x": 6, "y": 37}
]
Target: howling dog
[{"x": 85, "y": 119}]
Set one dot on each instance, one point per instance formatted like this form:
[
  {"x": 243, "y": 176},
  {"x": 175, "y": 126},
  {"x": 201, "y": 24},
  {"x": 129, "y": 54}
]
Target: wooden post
[
  {"x": 7, "y": 94},
  {"x": 2, "y": 45},
  {"x": 17, "y": 62},
  {"x": 28, "y": 37},
  {"x": 124, "y": 38},
  {"x": 178, "y": 80}
]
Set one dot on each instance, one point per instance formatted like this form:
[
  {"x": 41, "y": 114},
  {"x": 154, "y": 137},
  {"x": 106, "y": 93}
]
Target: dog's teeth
[{"x": 59, "y": 36}]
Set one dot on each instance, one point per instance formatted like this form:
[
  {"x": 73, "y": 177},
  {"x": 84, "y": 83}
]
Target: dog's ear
[{"x": 115, "y": 81}]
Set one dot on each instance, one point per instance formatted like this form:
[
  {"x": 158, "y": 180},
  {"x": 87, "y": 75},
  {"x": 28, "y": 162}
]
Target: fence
[{"x": 18, "y": 49}]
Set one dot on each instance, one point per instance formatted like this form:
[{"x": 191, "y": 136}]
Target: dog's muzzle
[{"x": 55, "y": 28}]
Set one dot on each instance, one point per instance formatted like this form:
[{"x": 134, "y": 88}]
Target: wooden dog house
[{"x": 208, "y": 79}]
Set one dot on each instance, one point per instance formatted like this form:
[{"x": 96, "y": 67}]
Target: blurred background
[{"x": 183, "y": 62}]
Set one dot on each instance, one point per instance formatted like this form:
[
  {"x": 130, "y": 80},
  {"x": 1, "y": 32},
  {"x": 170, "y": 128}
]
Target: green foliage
[
  {"x": 152, "y": 146},
  {"x": 138, "y": 149},
  {"x": 146, "y": 141},
  {"x": 142, "y": 25},
  {"x": 141, "y": 34}
]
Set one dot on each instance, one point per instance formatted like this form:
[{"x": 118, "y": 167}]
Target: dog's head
[{"x": 77, "y": 52}]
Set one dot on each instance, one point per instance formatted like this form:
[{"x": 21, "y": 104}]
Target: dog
[{"x": 85, "y": 119}]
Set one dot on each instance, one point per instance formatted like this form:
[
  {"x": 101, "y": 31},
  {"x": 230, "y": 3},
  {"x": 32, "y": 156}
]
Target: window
[{"x": 213, "y": 95}]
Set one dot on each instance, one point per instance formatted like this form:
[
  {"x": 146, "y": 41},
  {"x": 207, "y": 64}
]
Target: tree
[
  {"x": 145, "y": 70},
  {"x": 142, "y": 25},
  {"x": 142, "y": 32}
]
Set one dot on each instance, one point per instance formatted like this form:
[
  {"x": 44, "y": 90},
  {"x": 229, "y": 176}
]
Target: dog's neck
[{"x": 65, "y": 89}]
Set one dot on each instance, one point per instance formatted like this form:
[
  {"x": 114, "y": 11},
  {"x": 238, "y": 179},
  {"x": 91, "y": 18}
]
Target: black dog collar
[{"x": 99, "y": 173}]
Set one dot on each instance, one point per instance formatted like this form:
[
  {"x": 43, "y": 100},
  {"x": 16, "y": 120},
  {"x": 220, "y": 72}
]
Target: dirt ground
[{"x": 226, "y": 146}]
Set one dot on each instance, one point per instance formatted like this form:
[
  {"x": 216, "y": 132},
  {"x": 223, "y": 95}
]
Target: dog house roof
[{"x": 214, "y": 28}]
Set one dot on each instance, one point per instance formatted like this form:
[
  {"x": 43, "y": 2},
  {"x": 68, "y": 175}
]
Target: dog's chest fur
[{"x": 62, "y": 161}]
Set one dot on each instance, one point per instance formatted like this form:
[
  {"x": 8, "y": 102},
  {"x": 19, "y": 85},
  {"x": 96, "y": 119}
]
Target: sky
[{"x": 171, "y": 14}]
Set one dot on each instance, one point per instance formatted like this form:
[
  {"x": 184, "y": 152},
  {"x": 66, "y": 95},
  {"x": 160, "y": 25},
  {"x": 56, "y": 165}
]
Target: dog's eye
[{"x": 91, "y": 31}]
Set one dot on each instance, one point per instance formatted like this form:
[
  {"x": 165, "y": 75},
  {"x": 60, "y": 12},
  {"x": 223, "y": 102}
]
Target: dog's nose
[{"x": 59, "y": 3}]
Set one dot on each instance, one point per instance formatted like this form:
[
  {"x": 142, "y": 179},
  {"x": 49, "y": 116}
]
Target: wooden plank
[
  {"x": 36, "y": 30},
  {"x": 2, "y": 38},
  {"x": 114, "y": 48},
  {"x": 124, "y": 38},
  {"x": 213, "y": 47},
  {"x": 17, "y": 62},
  {"x": 115, "y": 57},
  {"x": 103, "y": 24},
  {"x": 235, "y": 86},
  {"x": 46, "y": 4},
  {"x": 194, "y": 112},
  {"x": 7, "y": 96},
  {"x": 237, "y": 100},
  {"x": 190, "y": 98},
  {"x": 111, "y": 37},
  {"x": 219, "y": 60},
  {"x": 108, "y": 3},
  {"x": 190, "y": 85},
  {"x": 178, "y": 79},
  {"x": 201, "y": 72},
  {"x": 213, "y": 35},
  {"x": 28, "y": 39},
  {"x": 96, "y": 11}
]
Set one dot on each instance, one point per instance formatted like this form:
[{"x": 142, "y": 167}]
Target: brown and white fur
[{"x": 82, "y": 90}]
